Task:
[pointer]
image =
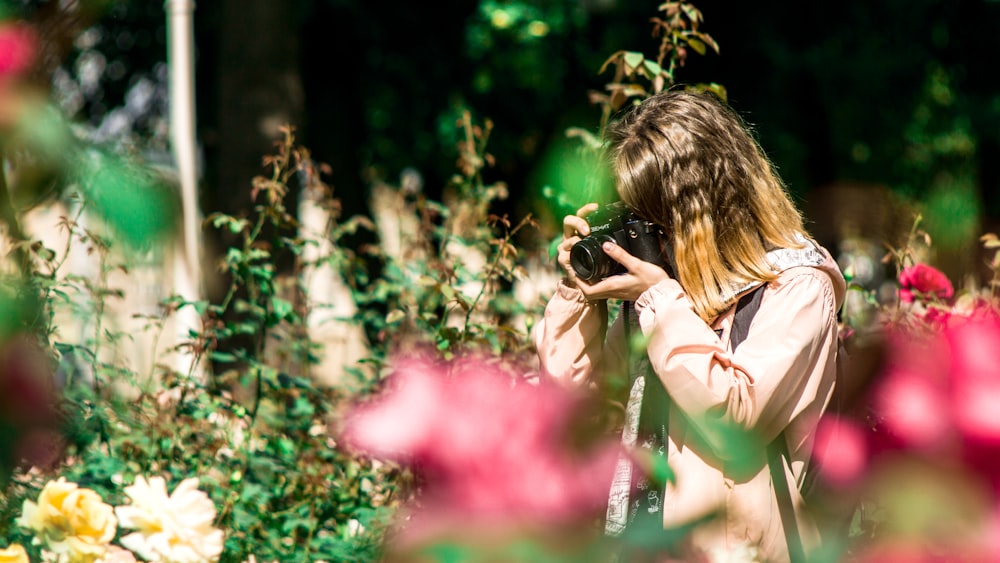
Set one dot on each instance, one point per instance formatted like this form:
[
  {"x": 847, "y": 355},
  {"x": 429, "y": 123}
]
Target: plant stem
[{"x": 8, "y": 214}]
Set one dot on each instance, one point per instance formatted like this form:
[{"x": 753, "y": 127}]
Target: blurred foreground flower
[
  {"x": 175, "y": 528},
  {"x": 926, "y": 459},
  {"x": 71, "y": 522},
  {"x": 940, "y": 392},
  {"x": 18, "y": 48},
  {"x": 14, "y": 553},
  {"x": 494, "y": 454},
  {"x": 29, "y": 419},
  {"x": 840, "y": 450}
]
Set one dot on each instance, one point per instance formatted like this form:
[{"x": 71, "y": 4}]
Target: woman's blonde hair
[{"x": 688, "y": 162}]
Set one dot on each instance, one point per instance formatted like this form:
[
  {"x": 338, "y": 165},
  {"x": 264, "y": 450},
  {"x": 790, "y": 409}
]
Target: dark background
[{"x": 857, "y": 103}]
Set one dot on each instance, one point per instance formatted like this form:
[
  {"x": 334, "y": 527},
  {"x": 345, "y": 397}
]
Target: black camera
[{"x": 617, "y": 223}]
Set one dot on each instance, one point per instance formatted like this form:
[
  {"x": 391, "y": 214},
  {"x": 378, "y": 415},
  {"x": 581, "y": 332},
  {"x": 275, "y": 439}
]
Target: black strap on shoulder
[
  {"x": 776, "y": 452},
  {"x": 746, "y": 308}
]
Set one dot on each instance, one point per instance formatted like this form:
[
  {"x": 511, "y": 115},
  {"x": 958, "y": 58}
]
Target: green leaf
[
  {"x": 222, "y": 357},
  {"x": 697, "y": 45},
  {"x": 235, "y": 225},
  {"x": 691, "y": 12},
  {"x": 653, "y": 69},
  {"x": 632, "y": 60},
  {"x": 282, "y": 308},
  {"x": 199, "y": 306},
  {"x": 707, "y": 39},
  {"x": 448, "y": 292},
  {"x": 426, "y": 281}
]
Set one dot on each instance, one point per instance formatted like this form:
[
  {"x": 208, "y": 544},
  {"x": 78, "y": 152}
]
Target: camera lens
[{"x": 588, "y": 260}]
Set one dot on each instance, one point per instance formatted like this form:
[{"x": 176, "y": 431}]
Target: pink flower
[
  {"x": 925, "y": 281},
  {"x": 840, "y": 450},
  {"x": 18, "y": 48},
  {"x": 492, "y": 450},
  {"x": 976, "y": 376},
  {"x": 914, "y": 410},
  {"x": 911, "y": 398},
  {"x": 940, "y": 391}
]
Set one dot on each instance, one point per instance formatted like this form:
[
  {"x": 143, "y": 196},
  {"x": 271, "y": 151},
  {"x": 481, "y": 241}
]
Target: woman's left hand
[{"x": 638, "y": 277}]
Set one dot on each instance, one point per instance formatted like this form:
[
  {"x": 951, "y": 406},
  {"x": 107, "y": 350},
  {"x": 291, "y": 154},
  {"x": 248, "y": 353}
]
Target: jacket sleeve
[
  {"x": 775, "y": 374},
  {"x": 573, "y": 340}
]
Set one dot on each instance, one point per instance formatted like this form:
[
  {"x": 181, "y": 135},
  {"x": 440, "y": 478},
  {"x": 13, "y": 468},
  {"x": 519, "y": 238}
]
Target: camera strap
[{"x": 634, "y": 501}]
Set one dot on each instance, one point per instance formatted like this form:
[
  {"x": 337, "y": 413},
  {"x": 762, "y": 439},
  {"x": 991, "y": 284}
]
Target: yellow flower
[
  {"x": 73, "y": 523},
  {"x": 14, "y": 554},
  {"x": 174, "y": 528}
]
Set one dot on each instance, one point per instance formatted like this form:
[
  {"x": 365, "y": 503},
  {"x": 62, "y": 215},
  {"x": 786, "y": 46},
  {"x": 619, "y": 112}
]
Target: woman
[{"x": 687, "y": 162}]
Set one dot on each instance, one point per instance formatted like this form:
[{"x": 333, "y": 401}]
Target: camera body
[{"x": 617, "y": 223}]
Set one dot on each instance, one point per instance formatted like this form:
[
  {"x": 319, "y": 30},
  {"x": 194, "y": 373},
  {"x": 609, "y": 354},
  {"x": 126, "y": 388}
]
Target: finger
[
  {"x": 567, "y": 243},
  {"x": 611, "y": 286},
  {"x": 573, "y": 225},
  {"x": 587, "y": 209},
  {"x": 599, "y": 289},
  {"x": 620, "y": 255}
]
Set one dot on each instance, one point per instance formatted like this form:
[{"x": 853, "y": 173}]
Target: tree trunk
[{"x": 260, "y": 89}]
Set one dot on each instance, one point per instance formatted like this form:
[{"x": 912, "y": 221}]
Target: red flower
[
  {"x": 925, "y": 281},
  {"x": 937, "y": 317},
  {"x": 18, "y": 47}
]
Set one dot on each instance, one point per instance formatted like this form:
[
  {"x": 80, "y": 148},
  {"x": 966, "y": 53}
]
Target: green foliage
[
  {"x": 246, "y": 417},
  {"x": 449, "y": 286},
  {"x": 575, "y": 174},
  {"x": 678, "y": 32},
  {"x": 258, "y": 431}
]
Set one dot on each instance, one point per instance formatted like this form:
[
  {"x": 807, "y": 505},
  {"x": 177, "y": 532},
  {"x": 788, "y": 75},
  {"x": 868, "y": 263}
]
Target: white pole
[{"x": 187, "y": 270}]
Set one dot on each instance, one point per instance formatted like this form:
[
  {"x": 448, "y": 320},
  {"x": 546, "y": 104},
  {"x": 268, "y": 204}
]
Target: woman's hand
[
  {"x": 575, "y": 227},
  {"x": 638, "y": 277}
]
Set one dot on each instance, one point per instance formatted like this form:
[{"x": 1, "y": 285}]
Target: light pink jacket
[{"x": 779, "y": 381}]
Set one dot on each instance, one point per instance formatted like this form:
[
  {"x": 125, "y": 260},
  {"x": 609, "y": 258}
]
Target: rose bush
[
  {"x": 74, "y": 525},
  {"x": 921, "y": 460}
]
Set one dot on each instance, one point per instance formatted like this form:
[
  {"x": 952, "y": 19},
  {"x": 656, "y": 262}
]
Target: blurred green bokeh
[
  {"x": 571, "y": 176},
  {"x": 136, "y": 202}
]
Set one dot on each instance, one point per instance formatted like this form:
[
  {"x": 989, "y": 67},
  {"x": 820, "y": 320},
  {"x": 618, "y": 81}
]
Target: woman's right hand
[{"x": 575, "y": 227}]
